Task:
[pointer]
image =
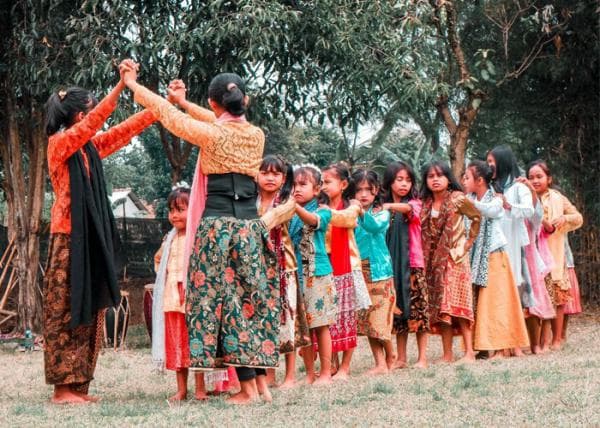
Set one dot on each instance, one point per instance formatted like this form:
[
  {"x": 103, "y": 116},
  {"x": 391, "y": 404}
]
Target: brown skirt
[
  {"x": 418, "y": 320},
  {"x": 376, "y": 322},
  {"x": 558, "y": 295},
  {"x": 69, "y": 354}
]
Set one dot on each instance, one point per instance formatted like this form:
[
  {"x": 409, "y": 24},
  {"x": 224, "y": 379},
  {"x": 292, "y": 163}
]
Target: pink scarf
[{"x": 198, "y": 199}]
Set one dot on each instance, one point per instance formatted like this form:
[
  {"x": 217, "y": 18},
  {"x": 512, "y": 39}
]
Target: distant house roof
[{"x": 127, "y": 193}]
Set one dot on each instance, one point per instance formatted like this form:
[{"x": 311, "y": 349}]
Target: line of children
[{"x": 249, "y": 271}]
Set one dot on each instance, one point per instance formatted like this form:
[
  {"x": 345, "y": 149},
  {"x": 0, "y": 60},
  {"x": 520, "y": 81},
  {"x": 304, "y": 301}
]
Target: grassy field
[{"x": 560, "y": 388}]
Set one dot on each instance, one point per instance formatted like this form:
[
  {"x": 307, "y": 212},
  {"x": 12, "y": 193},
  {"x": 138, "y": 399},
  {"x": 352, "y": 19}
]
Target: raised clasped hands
[
  {"x": 176, "y": 92},
  {"x": 128, "y": 70}
]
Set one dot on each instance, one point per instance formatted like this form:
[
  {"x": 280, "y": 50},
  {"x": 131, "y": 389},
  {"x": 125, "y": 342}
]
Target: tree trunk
[{"x": 25, "y": 202}]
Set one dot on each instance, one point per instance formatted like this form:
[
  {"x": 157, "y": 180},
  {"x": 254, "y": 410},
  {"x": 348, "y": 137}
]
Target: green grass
[{"x": 560, "y": 388}]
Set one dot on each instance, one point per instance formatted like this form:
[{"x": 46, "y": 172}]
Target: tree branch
[
  {"x": 454, "y": 40},
  {"x": 444, "y": 111}
]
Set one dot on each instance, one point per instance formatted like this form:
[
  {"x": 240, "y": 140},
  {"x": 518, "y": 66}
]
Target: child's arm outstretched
[
  {"x": 375, "y": 222},
  {"x": 346, "y": 218},
  {"x": 491, "y": 209},
  {"x": 181, "y": 124},
  {"x": 120, "y": 135},
  {"x": 307, "y": 217},
  {"x": 399, "y": 207},
  {"x": 280, "y": 214}
]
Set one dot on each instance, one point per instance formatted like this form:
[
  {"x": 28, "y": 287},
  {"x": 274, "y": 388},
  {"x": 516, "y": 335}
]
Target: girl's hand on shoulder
[
  {"x": 355, "y": 203},
  {"x": 526, "y": 182},
  {"x": 505, "y": 203},
  {"x": 386, "y": 206},
  {"x": 324, "y": 206}
]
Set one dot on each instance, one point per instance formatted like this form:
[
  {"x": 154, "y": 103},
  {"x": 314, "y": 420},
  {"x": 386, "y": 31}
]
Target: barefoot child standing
[
  {"x": 170, "y": 342},
  {"x": 319, "y": 293},
  {"x": 446, "y": 249},
  {"x": 337, "y": 188},
  {"x": 404, "y": 243},
  {"x": 375, "y": 322}
]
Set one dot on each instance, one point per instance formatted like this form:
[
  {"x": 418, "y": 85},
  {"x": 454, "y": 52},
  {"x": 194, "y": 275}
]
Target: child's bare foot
[
  {"x": 242, "y": 398},
  {"x": 288, "y": 384},
  {"x": 323, "y": 381},
  {"x": 200, "y": 396},
  {"x": 179, "y": 396},
  {"x": 536, "y": 349},
  {"x": 398, "y": 364},
  {"x": 496, "y": 355},
  {"x": 517, "y": 352},
  {"x": 266, "y": 396},
  {"x": 67, "y": 396},
  {"x": 310, "y": 379},
  {"x": 91, "y": 398},
  {"x": 467, "y": 359},
  {"x": 377, "y": 371},
  {"x": 341, "y": 375},
  {"x": 420, "y": 365},
  {"x": 555, "y": 346}
]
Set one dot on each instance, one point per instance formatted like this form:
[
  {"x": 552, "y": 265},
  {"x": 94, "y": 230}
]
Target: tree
[{"x": 30, "y": 62}]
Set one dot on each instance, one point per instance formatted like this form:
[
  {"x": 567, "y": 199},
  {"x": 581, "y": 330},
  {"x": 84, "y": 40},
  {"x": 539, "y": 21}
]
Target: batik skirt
[
  {"x": 232, "y": 302},
  {"x": 294, "y": 328},
  {"x": 343, "y": 332},
  {"x": 376, "y": 322},
  {"x": 453, "y": 299},
  {"x": 321, "y": 300},
  {"x": 70, "y": 355},
  {"x": 361, "y": 290},
  {"x": 418, "y": 319}
]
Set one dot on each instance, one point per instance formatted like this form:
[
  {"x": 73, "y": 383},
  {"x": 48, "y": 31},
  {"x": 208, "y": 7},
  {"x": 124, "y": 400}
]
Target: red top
[{"x": 62, "y": 145}]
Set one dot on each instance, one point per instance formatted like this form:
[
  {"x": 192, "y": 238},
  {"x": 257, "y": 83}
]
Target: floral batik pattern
[
  {"x": 70, "y": 355},
  {"x": 233, "y": 304}
]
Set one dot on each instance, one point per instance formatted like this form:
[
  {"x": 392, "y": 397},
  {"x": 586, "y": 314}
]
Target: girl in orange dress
[{"x": 81, "y": 275}]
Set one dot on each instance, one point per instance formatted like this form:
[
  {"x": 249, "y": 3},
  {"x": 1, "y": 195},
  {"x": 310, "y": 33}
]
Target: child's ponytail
[{"x": 63, "y": 105}]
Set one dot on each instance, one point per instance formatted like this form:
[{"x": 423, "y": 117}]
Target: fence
[{"x": 140, "y": 239}]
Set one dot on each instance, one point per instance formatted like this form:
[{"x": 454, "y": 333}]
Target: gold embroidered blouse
[{"x": 225, "y": 147}]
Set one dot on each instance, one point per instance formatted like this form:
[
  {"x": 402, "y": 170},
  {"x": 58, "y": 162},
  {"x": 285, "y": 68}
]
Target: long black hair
[
  {"x": 62, "y": 106},
  {"x": 372, "y": 180},
  {"x": 444, "y": 169},
  {"x": 229, "y": 90},
  {"x": 389, "y": 176},
  {"x": 342, "y": 172},
  {"x": 506, "y": 169},
  {"x": 277, "y": 164}
]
